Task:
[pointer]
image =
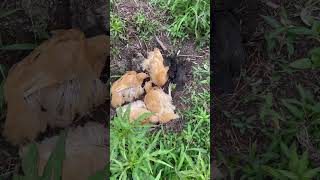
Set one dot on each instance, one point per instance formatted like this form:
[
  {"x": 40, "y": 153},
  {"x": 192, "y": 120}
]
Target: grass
[
  {"x": 139, "y": 153},
  {"x": 145, "y": 26},
  {"x": 283, "y": 130},
  {"x": 188, "y": 18},
  {"x": 117, "y": 27}
]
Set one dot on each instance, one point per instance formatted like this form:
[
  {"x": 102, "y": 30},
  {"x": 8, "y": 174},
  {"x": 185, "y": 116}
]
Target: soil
[{"x": 32, "y": 24}]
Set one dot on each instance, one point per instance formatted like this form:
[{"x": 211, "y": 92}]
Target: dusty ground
[
  {"x": 135, "y": 47},
  {"x": 32, "y": 23}
]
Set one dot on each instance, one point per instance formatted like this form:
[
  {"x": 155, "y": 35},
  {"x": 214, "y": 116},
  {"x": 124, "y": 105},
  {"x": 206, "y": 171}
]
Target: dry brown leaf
[
  {"x": 53, "y": 83},
  {"x": 158, "y": 101},
  {"x": 138, "y": 108},
  {"x": 85, "y": 149},
  {"x": 155, "y": 67},
  {"x": 127, "y": 88}
]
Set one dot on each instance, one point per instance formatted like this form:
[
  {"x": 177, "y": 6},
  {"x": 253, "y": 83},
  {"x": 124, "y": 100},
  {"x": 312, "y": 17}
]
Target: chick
[
  {"x": 138, "y": 108},
  {"x": 158, "y": 101},
  {"x": 155, "y": 67},
  {"x": 127, "y": 88}
]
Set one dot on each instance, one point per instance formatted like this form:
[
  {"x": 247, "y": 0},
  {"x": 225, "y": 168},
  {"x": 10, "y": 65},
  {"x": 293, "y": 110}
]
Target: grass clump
[
  {"x": 118, "y": 27},
  {"x": 188, "y": 18}
]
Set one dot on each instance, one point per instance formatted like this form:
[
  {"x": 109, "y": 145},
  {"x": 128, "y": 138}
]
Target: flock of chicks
[{"x": 129, "y": 88}]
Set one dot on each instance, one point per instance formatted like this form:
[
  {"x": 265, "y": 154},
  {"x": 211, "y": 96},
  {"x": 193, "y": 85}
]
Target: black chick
[{"x": 177, "y": 72}]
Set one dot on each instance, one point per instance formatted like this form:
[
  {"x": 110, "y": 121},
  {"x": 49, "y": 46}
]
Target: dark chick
[
  {"x": 228, "y": 52},
  {"x": 177, "y": 73}
]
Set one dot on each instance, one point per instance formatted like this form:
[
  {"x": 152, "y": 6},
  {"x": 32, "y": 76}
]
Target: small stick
[
  {"x": 161, "y": 44},
  {"x": 182, "y": 55}
]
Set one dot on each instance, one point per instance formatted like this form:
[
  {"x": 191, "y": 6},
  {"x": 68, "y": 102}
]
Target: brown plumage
[
  {"x": 158, "y": 101},
  {"x": 127, "y": 88},
  {"x": 155, "y": 67},
  {"x": 138, "y": 108}
]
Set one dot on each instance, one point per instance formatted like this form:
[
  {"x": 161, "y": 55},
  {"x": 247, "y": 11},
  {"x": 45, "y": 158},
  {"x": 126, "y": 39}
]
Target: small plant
[{"x": 117, "y": 27}]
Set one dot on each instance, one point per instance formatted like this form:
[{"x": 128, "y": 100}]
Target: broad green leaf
[
  {"x": 285, "y": 150},
  {"x": 300, "y": 30},
  {"x": 288, "y": 174},
  {"x": 271, "y": 21},
  {"x": 5, "y": 13},
  {"x": 312, "y": 173},
  {"x": 293, "y": 110},
  {"x": 143, "y": 117},
  {"x": 304, "y": 63},
  {"x": 23, "y": 46},
  {"x": 159, "y": 175},
  {"x": 30, "y": 162},
  {"x": 17, "y": 177},
  {"x": 53, "y": 168},
  {"x": 303, "y": 163},
  {"x": 99, "y": 175}
]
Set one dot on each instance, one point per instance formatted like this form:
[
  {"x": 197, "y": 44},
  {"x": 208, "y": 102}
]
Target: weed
[{"x": 117, "y": 27}]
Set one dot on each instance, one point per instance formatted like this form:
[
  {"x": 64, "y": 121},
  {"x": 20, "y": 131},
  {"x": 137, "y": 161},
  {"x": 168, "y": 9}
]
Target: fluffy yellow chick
[
  {"x": 158, "y": 101},
  {"x": 155, "y": 67},
  {"x": 127, "y": 88},
  {"x": 138, "y": 108}
]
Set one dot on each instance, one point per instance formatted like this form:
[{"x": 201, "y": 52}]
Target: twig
[
  {"x": 183, "y": 55},
  {"x": 161, "y": 44}
]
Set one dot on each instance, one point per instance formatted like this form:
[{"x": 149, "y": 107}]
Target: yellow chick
[
  {"x": 155, "y": 67},
  {"x": 127, "y": 88},
  {"x": 158, "y": 101},
  {"x": 138, "y": 108}
]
